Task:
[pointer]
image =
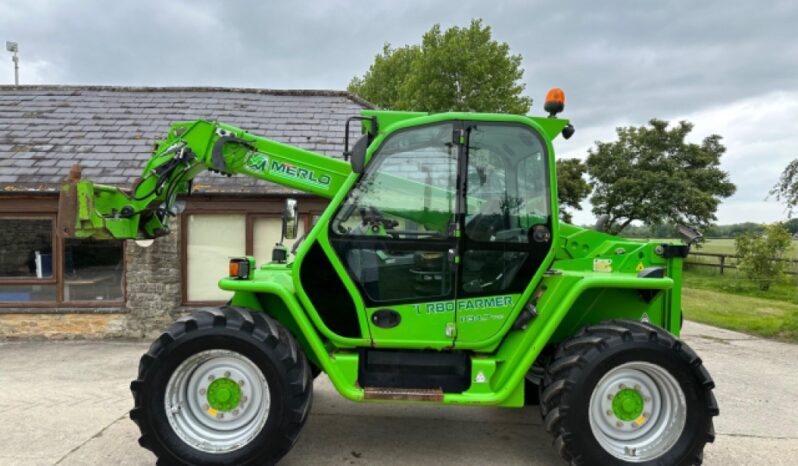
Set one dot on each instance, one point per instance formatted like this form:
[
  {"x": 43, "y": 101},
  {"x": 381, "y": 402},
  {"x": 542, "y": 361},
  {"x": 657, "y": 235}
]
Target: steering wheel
[{"x": 372, "y": 218}]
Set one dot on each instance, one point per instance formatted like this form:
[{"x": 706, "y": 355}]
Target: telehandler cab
[{"x": 439, "y": 273}]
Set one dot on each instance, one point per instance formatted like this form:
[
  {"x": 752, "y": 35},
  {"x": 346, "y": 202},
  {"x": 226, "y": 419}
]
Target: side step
[
  {"x": 400, "y": 371},
  {"x": 403, "y": 394}
]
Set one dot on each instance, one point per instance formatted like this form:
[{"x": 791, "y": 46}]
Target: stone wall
[
  {"x": 33, "y": 326},
  {"x": 153, "y": 284}
]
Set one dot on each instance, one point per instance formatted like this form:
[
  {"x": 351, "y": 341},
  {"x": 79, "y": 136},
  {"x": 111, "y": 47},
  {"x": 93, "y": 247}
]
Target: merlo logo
[{"x": 258, "y": 162}]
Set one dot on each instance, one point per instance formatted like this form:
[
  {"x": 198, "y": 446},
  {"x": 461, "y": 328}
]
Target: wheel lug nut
[
  {"x": 235, "y": 412},
  {"x": 619, "y": 424},
  {"x": 621, "y": 386},
  {"x": 202, "y": 391},
  {"x": 243, "y": 399},
  {"x": 205, "y": 407},
  {"x": 227, "y": 374},
  {"x": 646, "y": 415},
  {"x": 648, "y": 399},
  {"x": 221, "y": 415},
  {"x": 609, "y": 397},
  {"x": 211, "y": 378},
  {"x": 609, "y": 412},
  {"x": 637, "y": 387},
  {"x": 241, "y": 382}
]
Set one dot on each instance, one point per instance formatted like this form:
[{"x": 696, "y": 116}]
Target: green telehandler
[{"x": 439, "y": 273}]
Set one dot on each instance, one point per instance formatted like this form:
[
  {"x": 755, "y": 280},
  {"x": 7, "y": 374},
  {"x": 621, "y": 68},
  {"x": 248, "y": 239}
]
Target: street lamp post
[{"x": 13, "y": 47}]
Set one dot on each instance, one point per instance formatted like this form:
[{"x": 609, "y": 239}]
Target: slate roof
[{"x": 110, "y": 130}]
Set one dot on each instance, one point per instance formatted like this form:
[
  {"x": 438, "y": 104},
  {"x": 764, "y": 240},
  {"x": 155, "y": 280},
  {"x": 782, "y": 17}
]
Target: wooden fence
[{"x": 729, "y": 261}]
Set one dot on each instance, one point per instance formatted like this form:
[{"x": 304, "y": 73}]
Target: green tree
[
  {"x": 653, "y": 175},
  {"x": 786, "y": 189},
  {"x": 383, "y": 84},
  {"x": 572, "y": 187},
  {"x": 460, "y": 69},
  {"x": 759, "y": 254}
]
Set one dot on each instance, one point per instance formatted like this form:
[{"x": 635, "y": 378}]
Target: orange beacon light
[{"x": 555, "y": 101}]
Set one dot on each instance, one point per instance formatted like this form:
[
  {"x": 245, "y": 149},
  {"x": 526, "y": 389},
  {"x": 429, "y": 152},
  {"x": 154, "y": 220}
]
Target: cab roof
[{"x": 389, "y": 120}]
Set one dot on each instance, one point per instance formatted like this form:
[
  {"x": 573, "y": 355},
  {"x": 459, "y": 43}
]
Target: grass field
[
  {"x": 735, "y": 283},
  {"x": 733, "y": 302},
  {"x": 765, "y": 317}
]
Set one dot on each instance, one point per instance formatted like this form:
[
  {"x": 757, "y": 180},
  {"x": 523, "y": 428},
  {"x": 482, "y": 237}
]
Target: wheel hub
[
  {"x": 224, "y": 395},
  {"x": 627, "y": 405}
]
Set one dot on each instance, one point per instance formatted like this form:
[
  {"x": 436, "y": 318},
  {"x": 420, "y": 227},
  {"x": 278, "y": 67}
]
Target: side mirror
[
  {"x": 359, "y": 154},
  {"x": 690, "y": 235},
  {"x": 290, "y": 219}
]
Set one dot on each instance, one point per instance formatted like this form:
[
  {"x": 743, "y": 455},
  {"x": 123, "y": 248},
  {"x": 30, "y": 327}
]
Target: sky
[{"x": 730, "y": 67}]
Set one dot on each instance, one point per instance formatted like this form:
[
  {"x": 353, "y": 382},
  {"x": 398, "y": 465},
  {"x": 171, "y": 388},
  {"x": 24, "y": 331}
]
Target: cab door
[
  {"x": 395, "y": 235},
  {"x": 506, "y": 225}
]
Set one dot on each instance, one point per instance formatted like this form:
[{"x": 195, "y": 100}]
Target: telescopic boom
[{"x": 89, "y": 210}]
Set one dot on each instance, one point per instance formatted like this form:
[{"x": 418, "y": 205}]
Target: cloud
[
  {"x": 757, "y": 135},
  {"x": 760, "y": 138},
  {"x": 31, "y": 72},
  {"x": 720, "y": 64}
]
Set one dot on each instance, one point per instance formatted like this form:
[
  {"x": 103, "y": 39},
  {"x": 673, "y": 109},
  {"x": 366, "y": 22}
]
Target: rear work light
[{"x": 239, "y": 268}]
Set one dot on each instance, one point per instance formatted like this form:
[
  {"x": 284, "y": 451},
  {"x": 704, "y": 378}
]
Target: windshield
[{"x": 408, "y": 190}]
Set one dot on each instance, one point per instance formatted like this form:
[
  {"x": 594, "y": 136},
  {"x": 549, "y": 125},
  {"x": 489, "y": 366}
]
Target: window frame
[
  {"x": 185, "y": 301},
  {"x": 252, "y": 209},
  {"x": 530, "y": 248},
  {"x": 373, "y": 166},
  {"x": 48, "y": 208},
  {"x": 444, "y": 244},
  {"x": 53, "y": 240},
  {"x": 508, "y": 179}
]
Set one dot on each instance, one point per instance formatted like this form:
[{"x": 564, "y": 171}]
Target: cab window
[
  {"x": 395, "y": 229},
  {"x": 506, "y": 198}
]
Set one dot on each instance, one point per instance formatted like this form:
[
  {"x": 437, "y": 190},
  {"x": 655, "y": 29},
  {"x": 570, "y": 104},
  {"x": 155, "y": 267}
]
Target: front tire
[
  {"x": 624, "y": 393},
  {"x": 222, "y": 387}
]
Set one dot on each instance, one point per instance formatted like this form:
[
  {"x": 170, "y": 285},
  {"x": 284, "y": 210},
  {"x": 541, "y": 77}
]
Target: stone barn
[{"x": 52, "y": 287}]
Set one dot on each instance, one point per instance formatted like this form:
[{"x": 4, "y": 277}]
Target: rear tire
[
  {"x": 182, "y": 423},
  {"x": 624, "y": 393}
]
